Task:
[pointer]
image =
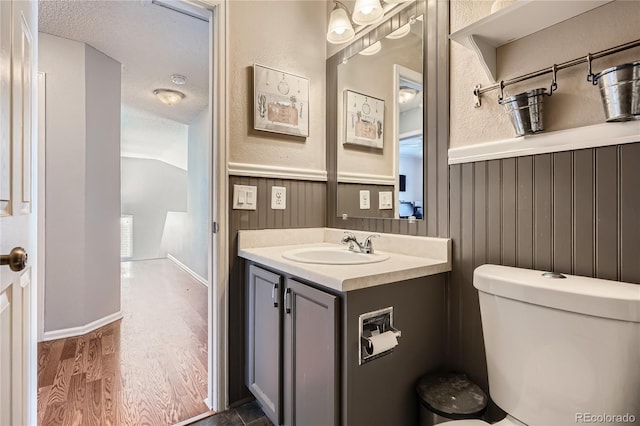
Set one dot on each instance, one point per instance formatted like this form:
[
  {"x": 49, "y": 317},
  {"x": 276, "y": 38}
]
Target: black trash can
[{"x": 449, "y": 396}]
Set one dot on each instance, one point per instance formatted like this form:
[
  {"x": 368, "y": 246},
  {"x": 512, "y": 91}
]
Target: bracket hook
[
  {"x": 554, "y": 81},
  {"x": 501, "y": 97},
  {"x": 591, "y": 77},
  {"x": 476, "y": 96}
]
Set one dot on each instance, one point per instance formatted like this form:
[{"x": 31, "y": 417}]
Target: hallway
[{"x": 147, "y": 369}]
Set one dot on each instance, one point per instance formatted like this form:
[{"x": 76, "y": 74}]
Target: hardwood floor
[{"x": 147, "y": 369}]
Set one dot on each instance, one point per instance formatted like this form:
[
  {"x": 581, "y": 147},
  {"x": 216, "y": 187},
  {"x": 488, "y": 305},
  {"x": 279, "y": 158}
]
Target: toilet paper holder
[{"x": 377, "y": 335}]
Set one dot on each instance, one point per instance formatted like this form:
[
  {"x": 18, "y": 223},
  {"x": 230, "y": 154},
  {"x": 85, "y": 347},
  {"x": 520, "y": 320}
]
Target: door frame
[
  {"x": 218, "y": 398},
  {"x": 218, "y": 262}
]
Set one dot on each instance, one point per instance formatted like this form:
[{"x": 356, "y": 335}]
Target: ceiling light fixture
[
  {"x": 406, "y": 94},
  {"x": 340, "y": 29},
  {"x": 178, "y": 79},
  {"x": 400, "y": 32},
  {"x": 367, "y": 12},
  {"x": 371, "y": 50},
  {"x": 168, "y": 96}
]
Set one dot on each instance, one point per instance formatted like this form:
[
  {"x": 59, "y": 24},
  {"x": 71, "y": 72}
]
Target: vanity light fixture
[
  {"x": 168, "y": 96},
  {"x": 340, "y": 29},
  {"x": 367, "y": 12},
  {"x": 406, "y": 94},
  {"x": 400, "y": 32},
  {"x": 371, "y": 50}
]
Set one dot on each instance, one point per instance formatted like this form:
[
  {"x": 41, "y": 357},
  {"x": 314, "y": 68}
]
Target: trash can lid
[{"x": 451, "y": 393}]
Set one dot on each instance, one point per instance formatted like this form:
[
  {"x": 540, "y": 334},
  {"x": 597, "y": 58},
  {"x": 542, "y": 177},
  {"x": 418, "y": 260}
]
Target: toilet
[{"x": 561, "y": 349}]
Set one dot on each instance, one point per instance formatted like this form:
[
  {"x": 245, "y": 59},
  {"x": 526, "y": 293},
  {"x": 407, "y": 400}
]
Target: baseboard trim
[
  {"x": 79, "y": 331},
  {"x": 188, "y": 270},
  {"x": 196, "y": 418}
]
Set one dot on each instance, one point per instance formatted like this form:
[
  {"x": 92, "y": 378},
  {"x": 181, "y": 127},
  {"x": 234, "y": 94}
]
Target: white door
[{"x": 17, "y": 217}]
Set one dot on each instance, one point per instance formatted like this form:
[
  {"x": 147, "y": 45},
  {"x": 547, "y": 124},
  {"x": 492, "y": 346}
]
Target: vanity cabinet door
[
  {"x": 263, "y": 340},
  {"x": 310, "y": 356}
]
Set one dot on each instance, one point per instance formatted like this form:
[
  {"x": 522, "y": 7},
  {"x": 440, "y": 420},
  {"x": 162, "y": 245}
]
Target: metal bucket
[
  {"x": 526, "y": 111},
  {"x": 620, "y": 91}
]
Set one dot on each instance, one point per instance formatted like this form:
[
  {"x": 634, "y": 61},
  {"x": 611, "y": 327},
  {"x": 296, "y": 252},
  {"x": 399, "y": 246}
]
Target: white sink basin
[{"x": 332, "y": 256}]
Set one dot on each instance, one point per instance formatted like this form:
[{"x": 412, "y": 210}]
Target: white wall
[
  {"x": 576, "y": 103},
  {"x": 102, "y": 210},
  {"x": 188, "y": 238},
  {"x": 151, "y": 189},
  {"x": 411, "y": 167},
  {"x": 82, "y": 276},
  {"x": 287, "y": 35}
]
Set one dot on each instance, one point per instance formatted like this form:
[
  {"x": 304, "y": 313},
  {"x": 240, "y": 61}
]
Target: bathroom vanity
[{"x": 309, "y": 328}]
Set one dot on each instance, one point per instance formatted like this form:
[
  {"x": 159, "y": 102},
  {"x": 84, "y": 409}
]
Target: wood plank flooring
[{"x": 150, "y": 368}]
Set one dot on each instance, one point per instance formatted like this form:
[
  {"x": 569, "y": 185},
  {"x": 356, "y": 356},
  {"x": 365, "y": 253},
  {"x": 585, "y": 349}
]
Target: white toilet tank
[{"x": 561, "y": 351}]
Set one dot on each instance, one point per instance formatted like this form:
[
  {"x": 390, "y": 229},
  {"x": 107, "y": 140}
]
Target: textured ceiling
[{"x": 150, "y": 41}]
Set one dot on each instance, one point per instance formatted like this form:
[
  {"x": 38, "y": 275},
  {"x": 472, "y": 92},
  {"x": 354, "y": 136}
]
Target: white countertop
[{"x": 428, "y": 256}]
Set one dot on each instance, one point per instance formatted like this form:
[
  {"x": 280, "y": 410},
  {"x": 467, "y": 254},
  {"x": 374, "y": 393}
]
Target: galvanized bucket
[
  {"x": 620, "y": 91},
  {"x": 526, "y": 111}
]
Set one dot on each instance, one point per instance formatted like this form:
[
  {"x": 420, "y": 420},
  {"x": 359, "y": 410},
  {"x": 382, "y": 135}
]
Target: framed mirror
[{"x": 379, "y": 116}]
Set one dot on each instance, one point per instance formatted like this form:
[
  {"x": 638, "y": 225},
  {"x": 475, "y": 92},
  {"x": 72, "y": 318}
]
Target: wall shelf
[
  {"x": 516, "y": 21},
  {"x": 593, "y": 136}
]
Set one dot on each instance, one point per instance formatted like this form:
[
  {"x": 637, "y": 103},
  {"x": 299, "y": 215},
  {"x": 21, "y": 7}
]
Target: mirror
[{"x": 380, "y": 160}]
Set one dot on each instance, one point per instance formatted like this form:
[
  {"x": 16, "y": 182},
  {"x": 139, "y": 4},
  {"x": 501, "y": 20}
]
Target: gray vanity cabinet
[
  {"x": 264, "y": 323},
  {"x": 292, "y": 349},
  {"x": 310, "y": 356}
]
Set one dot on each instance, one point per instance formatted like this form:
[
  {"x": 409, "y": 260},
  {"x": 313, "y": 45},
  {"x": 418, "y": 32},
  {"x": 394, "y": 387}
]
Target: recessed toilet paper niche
[{"x": 378, "y": 337}]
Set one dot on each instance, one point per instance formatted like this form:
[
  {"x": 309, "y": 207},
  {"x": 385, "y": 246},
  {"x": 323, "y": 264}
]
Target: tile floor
[{"x": 249, "y": 414}]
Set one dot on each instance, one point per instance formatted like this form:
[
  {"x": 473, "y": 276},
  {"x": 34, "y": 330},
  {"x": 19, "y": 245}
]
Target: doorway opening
[{"x": 164, "y": 175}]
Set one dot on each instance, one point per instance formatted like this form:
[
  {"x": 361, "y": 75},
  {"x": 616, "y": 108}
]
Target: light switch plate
[
  {"x": 365, "y": 200},
  {"x": 385, "y": 200},
  {"x": 245, "y": 197},
  {"x": 278, "y": 198}
]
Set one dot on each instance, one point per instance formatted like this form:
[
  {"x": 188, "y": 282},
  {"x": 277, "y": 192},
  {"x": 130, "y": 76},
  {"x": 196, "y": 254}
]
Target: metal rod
[{"x": 480, "y": 90}]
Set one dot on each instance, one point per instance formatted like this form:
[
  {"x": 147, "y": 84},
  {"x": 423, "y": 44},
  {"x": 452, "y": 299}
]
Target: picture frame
[
  {"x": 281, "y": 102},
  {"x": 363, "y": 120}
]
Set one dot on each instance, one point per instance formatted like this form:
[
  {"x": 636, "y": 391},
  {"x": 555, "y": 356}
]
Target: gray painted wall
[
  {"x": 82, "y": 177},
  {"x": 306, "y": 208},
  {"x": 151, "y": 189},
  {"x": 573, "y": 212},
  {"x": 190, "y": 245}
]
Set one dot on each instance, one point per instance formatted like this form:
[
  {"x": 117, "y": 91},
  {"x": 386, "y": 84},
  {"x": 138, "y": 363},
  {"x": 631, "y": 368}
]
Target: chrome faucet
[{"x": 366, "y": 247}]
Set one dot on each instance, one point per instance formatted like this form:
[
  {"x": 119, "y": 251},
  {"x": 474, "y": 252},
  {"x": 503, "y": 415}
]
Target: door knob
[{"x": 17, "y": 259}]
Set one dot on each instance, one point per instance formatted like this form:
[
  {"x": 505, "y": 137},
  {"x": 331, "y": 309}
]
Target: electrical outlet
[
  {"x": 244, "y": 197},
  {"x": 365, "y": 200},
  {"x": 385, "y": 200},
  {"x": 278, "y": 198}
]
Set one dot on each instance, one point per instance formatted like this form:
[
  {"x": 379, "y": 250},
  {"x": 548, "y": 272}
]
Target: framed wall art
[
  {"x": 364, "y": 120},
  {"x": 281, "y": 102}
]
